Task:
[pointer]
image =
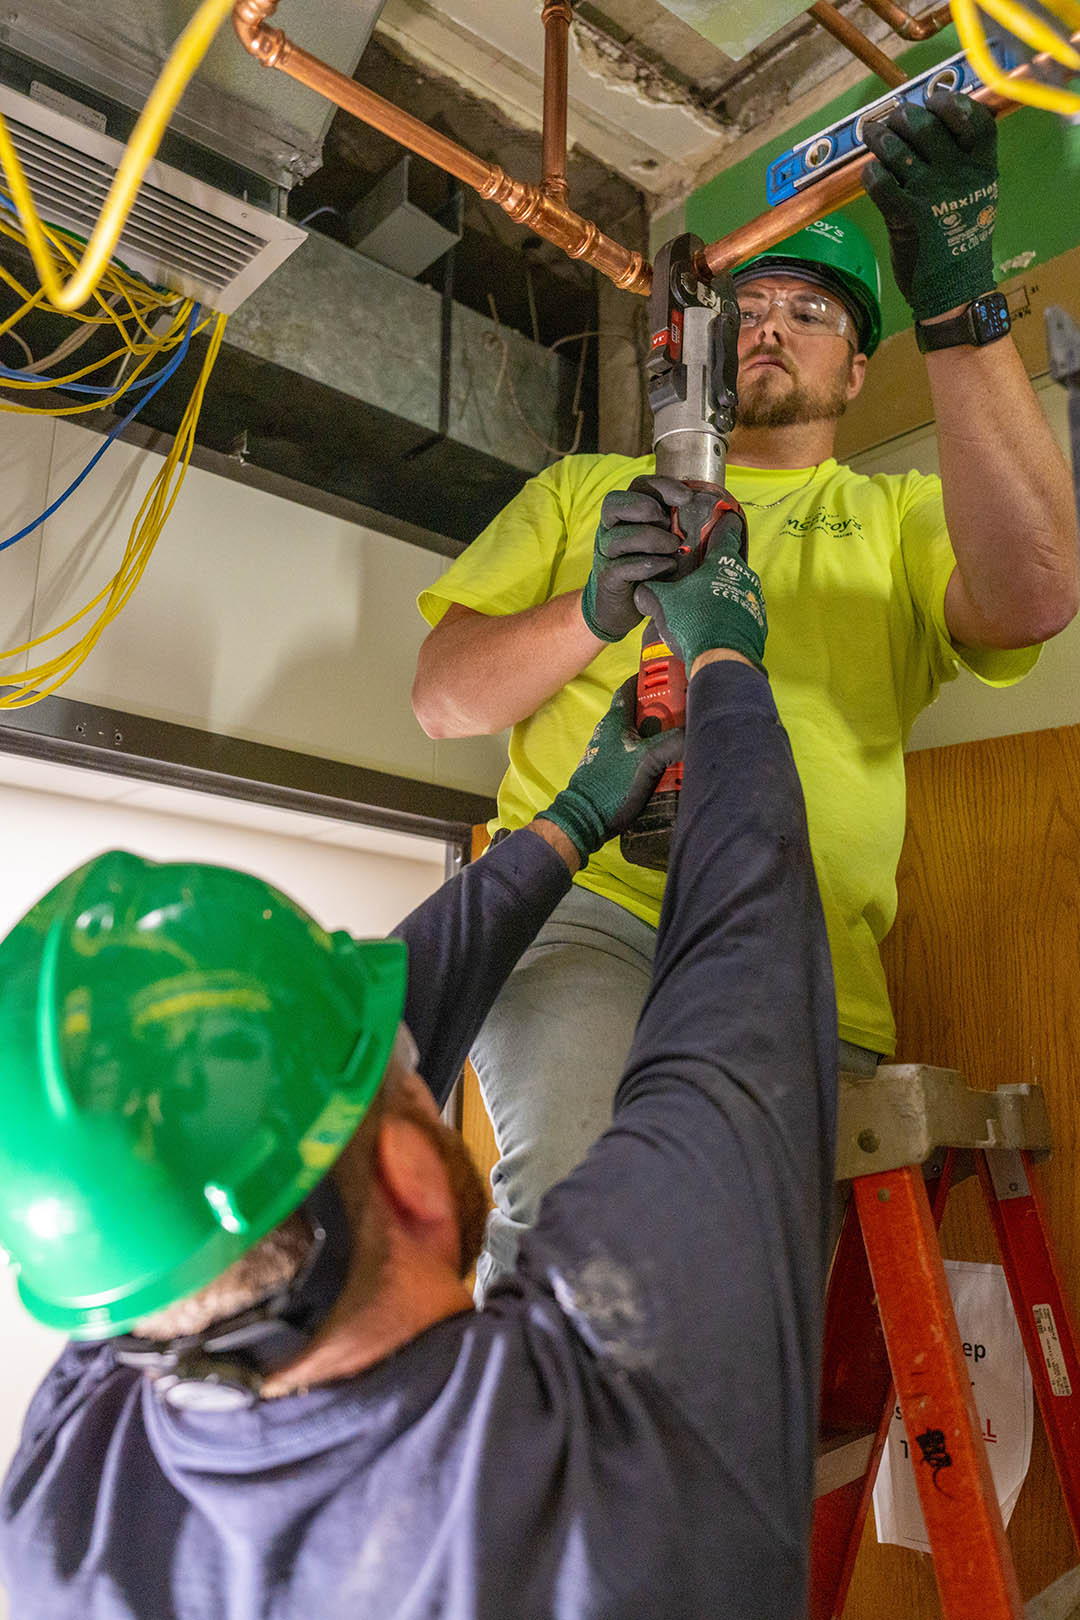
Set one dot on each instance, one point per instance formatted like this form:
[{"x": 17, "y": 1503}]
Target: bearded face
[
  {"x": 776, "y": 389},
  {"x": 467, "y": 1186}
]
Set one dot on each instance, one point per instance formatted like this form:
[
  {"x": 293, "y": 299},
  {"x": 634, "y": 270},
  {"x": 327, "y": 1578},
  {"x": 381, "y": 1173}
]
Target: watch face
[{"x": 990, "y": 316}]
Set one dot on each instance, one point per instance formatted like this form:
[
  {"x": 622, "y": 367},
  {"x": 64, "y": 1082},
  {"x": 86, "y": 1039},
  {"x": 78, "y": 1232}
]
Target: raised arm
[
  {"x": 478, "y": 673},
  {"x": 1008, "y": 502},
  {"x": 690, "y": 1247},
  {"x": 466, "y": 938},
  {"x": 1006, "y": 487}
]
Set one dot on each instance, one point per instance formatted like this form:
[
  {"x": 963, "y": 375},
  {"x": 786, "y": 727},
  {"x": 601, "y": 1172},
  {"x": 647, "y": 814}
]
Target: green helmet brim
[{"x": 184, "y": 1055}]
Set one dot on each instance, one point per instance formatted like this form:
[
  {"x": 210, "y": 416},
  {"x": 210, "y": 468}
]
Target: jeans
[{"x": 551, "y": 1053}]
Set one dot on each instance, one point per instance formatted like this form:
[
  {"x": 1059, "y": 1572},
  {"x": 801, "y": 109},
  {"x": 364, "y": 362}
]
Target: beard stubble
[{"x": 762, "y": 407}]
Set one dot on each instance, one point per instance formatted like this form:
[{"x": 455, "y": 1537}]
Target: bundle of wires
[
  {"x": 69, "y": 296},
  {"x": 1039, "y": 33},
  {"x": 134, "y": 308}
]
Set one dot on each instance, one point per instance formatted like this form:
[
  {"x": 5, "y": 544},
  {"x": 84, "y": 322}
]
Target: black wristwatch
[{"x": 983, "y": 321}]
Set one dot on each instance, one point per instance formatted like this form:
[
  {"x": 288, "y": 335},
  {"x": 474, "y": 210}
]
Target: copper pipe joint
[
  {"x": 903, "y": 23},
  {"x": 547, "y": 215},
  {"x": 843, "y": 29},
  {"x": 555, "y": 17},
  {"x": 269, "y": 45},
  {"x": 827, "y": 194}
]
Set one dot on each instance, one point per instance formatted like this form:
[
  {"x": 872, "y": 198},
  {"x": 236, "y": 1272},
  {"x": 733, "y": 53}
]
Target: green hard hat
[
  {"x": 184, "y": 1053},
  {"x": 838, "y": 255}
]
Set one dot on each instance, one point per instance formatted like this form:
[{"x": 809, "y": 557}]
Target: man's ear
[
  {"x": 857, "y": 376},
  {"x": 411, "y": 1173}
]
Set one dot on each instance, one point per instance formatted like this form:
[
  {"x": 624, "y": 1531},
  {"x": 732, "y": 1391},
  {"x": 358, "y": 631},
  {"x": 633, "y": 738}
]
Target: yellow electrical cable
[
  {"x": 148, "y": 350},
  {"x": 34, "y": 684},
  {"x": 102, "y": 403},
  {"x": 145, "y": 353},
  {"x": 136, "y": 312},
  {"x": 157, "y": 345},
  {"x": 1028, "y": 91},
  {"x": 137, "y": 294},
  {"x": 149, "y": 521},
  {"x": 148, "y": 300},
  {"x": 28, "y": 304},
  {"x": 181, "y": 66},
  {"x": 117, "y": 280},
  {"x": 137, "y": 543},
  {"x": 1032, "y": 31},
  {"x": 1067, "y": 10}
]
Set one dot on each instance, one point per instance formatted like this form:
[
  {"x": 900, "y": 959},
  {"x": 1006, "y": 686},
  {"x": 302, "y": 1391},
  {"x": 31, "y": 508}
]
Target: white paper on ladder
[{"x": 994, "y": 1353}]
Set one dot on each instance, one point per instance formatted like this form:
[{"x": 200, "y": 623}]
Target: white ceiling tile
[{"x": 77, "y": 782}]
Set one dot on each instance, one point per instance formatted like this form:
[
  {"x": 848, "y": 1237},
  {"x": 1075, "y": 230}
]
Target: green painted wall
[{"x": 1039, "y": 155}]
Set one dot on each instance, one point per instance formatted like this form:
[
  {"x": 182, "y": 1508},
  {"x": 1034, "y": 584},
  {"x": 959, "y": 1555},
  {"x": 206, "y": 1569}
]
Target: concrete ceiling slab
[
  {"x": 647, "y": 133},
  {"x": 649, "y": 97},
  {"x": 735, "y": 26}
]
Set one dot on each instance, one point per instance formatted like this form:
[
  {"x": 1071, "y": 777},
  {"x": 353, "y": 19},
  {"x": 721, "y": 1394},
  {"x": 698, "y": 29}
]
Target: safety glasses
[{"x": 803, "y": 312}]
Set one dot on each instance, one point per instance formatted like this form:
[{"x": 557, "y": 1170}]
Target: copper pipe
[
  {"x": 903, "y": 23},
  {"x": 556, "y": 20},
  {"x": 843, "y": 29},
  {"x": 547, "y": 215},
  {"x": 827, "y": 194}
]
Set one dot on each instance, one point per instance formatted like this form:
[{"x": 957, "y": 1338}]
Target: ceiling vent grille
[{"x": 181, "y": 233}]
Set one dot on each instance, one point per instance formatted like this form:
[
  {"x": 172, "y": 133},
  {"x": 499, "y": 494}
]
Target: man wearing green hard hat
[
  {"x": 222, "y": 1173},
  {"x": 881, "y": 588}
]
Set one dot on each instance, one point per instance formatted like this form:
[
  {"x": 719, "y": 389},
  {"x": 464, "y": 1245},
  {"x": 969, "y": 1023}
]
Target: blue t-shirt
[{"x": 627, "y": 1429}]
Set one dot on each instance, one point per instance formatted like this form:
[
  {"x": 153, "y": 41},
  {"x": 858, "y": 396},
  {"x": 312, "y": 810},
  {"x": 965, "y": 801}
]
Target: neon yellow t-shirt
[{"x": 854, "y": 571}]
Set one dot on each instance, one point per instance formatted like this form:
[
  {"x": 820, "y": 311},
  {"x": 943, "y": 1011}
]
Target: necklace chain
[{"x": 767, "y": 506}]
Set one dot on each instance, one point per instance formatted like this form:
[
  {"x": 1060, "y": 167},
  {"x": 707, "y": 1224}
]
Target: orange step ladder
[{"x": 905, "y": 1135}]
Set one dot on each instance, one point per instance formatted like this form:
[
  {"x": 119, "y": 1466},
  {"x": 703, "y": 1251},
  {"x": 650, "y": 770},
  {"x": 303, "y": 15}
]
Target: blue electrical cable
[
  {"x": 163, "y": 378},
  {"x": 86, "y": 388}
]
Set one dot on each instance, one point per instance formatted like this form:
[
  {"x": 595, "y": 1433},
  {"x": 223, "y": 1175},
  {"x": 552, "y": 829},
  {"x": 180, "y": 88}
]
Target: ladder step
[
  {"x": 1061, "y": 1601},
  {"x": 903, "y": 1138},
  {"x": 906, "y": 1111},
  {"x": 841, "y": 1460}
]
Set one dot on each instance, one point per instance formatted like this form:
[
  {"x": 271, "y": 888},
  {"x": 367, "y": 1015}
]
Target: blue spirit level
[{"x": 797, "y": 168}]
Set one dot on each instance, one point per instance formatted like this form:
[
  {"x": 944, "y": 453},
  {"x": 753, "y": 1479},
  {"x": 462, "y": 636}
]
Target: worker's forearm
[
  {"x": 465, "y": 938},
  {"x": 478, "y": 673},
  {"x": 557, "y": 840},
  {"x": 742, "y": 980},
  {"x": 1008, "y": 500},
  {"x": 718, "y": 655}
]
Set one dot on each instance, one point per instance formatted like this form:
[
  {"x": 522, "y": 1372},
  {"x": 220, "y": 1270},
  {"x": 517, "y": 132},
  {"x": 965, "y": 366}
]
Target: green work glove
[
  {"x": 935, "y": 180},
  {"x": 719, "y": 605},
  {"x": 634, "y": 541},
  {"x": 616, "y": 777}
]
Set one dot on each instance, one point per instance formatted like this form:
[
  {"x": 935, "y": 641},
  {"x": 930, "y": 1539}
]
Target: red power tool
[{"x": 692, "y": 366}]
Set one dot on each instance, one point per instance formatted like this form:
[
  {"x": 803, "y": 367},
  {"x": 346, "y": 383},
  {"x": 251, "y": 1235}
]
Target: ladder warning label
[{"x": 1051, "y": 1349}]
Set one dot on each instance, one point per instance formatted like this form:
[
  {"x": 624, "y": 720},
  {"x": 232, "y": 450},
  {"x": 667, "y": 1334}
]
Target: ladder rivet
[
  {"x": 869, "y": 1141},
  {"x": 883, "y": 1195}
]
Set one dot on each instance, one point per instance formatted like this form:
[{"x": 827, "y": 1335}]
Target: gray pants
[{"x": 551, "y": 1053}]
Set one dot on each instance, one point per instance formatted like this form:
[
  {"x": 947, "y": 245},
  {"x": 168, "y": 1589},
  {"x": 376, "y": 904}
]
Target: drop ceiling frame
[{"x": 64, "y": 731}]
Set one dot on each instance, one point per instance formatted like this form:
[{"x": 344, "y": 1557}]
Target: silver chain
[{"x": 767, "y": 506}]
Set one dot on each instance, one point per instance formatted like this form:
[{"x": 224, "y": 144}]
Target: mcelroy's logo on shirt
[{"x": 823, "y": 522}]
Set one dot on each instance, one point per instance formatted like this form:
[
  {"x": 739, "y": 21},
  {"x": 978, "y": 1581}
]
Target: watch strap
[{"x": 982, "y": 321}]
